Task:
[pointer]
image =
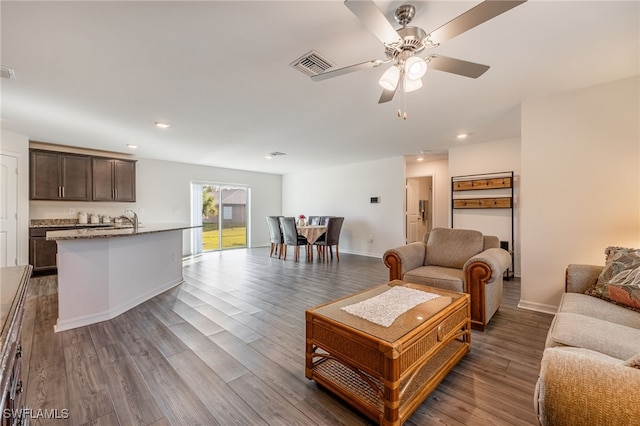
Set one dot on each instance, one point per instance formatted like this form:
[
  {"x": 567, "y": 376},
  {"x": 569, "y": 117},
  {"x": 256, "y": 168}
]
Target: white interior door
[
  {"x": 411, "y": 210},
  {"x": 8, "y": 211}
]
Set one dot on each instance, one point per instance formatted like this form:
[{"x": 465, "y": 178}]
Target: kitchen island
[{"x": 104, "y": 272}]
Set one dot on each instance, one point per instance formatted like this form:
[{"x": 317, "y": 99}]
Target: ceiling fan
[{"x": 403, "y": 46}]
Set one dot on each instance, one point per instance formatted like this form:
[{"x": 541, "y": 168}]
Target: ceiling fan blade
[
  {"x": 387, "y": 95},
  {"x": 456, "y": 66},
  {"x": 346, "y": 70},
  {"x": 473, "y": 17},
  {"x": 374, "y": 19}
]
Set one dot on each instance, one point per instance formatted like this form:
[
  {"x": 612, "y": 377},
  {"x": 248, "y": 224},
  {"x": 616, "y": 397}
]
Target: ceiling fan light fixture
[
  {"x": 412, "y": 85},
  {"x": 390, "y": 78},
  {"x": 415, "y": 67}
]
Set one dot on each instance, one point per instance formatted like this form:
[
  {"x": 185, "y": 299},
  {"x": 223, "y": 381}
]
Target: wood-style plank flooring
[{"x": 227, "y": 348}]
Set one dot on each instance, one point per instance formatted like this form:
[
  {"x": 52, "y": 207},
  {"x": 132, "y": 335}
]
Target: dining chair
[
  {"x": 292, "y": 238},
  {"x": 330, "y": 238},
  {"x": 314, "y": 220},
  {"x": 275, "y": 236},
  {"x": 323, "y": 220}
]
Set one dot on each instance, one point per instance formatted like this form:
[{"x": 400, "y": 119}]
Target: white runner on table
[{"x": 384, "y": 308}]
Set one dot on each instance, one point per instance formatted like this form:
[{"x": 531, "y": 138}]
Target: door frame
[{"x": 21, "y": 208}]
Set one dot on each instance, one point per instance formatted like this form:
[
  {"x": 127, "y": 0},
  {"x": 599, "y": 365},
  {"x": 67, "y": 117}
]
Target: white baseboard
[{"x": 538, "y": 307}]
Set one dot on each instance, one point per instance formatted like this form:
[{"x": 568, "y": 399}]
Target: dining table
[{"x": 312, "y": 233}]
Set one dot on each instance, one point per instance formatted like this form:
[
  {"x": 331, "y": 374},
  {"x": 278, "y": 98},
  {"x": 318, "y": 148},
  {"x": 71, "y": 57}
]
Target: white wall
[
  {"x": 163, "y": 195},
  {"x": 17, "y": 146},
  {"x": 490, "y": 157},
  {"x": 346, "y": 191},
  {"x": 580, "y": 183},
  {"x": 441, "y": 187}
]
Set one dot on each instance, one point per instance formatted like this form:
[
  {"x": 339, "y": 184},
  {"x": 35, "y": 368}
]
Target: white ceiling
[{"x": 99, "y": 74}]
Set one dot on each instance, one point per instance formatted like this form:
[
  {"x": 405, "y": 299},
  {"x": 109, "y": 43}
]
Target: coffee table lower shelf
[{"x": 368, "y": 395}]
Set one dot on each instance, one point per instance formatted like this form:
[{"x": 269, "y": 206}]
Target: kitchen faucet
[{"x": 133, "y": 221}]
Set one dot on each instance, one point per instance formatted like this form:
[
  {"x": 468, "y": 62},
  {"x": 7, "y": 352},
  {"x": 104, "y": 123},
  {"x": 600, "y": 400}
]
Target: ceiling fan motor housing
[{"x": 411, "y": 44}]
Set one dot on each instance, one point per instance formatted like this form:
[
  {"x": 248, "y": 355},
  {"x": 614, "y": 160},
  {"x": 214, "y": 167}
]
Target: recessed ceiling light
[
  {"x": 273, "y": 154},
  {"x": 462, "y": 136},
  {"x": 132, "y": 146},
  {"x": 162, "y": 125},
  {"x": 420, "y": 159}
]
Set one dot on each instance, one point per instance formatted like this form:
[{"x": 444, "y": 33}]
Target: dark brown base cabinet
[
  {"x": 63, "y": 176},
  {"x": 42, "y": 253}
]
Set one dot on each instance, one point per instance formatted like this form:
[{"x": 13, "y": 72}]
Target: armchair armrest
[
  {"x": 497, "y": 259},
  {"x": 404, "y": 258},
  {"x": 579, "y": 278},
  {"x": 578, "y": 387},
  {"x": 485, "y": 268}
]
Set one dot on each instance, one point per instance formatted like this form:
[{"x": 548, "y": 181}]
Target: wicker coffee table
[{"x": 386, "y": 372}]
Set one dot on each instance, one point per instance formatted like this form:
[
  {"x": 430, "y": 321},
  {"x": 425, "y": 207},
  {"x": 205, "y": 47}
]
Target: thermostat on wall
[{"x": 375, "y": 200}]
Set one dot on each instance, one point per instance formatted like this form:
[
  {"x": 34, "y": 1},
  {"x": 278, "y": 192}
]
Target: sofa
[
  {"x": 590, "y": 368},
  {"x": 460, "y": 260}
]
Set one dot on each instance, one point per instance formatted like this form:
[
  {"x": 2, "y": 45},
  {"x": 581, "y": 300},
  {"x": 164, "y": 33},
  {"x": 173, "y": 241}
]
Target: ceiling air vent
[
  {"x": 312, "y": 63},
  {"x": 7, "y": 73}
]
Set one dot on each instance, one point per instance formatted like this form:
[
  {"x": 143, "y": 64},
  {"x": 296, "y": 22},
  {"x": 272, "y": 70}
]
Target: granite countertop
[
  {"x": 67, "y": 223},
  {"x": 115, "y": 231}
]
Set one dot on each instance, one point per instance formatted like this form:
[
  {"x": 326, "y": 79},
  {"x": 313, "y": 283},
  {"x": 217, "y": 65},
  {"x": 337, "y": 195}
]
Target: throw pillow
[
  {"x": 619, "y": 281},
  {"x": 634, "y": 362}
]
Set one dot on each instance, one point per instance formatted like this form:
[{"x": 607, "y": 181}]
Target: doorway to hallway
[{"x": 418, "y": 207}]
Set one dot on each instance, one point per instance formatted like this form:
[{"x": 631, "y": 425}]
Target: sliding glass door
[{"x": 222, "y": 212}]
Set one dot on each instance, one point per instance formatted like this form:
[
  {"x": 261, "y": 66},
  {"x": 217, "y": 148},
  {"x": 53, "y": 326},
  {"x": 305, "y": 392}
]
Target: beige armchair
[{"x": 455, "y": 259}]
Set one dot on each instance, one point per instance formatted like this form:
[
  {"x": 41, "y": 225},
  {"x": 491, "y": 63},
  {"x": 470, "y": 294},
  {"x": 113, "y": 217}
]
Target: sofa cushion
[
  {"x": 581, "y": 331},
  {"x": 583, "y": 304},
  {"x": 451, "y": 248},
  {"x": 437, "y": 276},
  {"x": 634, "y": 361},
  {"x": 582, "y": 387},
  {"x": 619, "y": 281}
]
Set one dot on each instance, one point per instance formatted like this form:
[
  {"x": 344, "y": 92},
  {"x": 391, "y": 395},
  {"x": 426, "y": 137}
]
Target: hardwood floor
[{"x": 227, "y": 347}]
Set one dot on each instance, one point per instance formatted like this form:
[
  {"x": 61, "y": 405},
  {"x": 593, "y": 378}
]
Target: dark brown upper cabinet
[
  {"x": 113, "y": 179},
  {"x": 75, "y": 177},
  {"x": 60, "y": 176}
]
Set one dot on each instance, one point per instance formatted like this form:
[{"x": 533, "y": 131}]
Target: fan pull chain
[
  {"x": 403, "y": 114},
  {"x": 404, "y": 101}
]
